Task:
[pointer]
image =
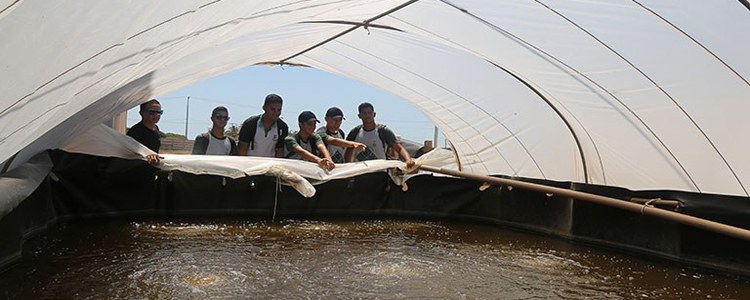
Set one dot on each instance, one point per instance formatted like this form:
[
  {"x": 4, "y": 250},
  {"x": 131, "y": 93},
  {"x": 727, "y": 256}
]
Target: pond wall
[{"x": 83, "y": 186}]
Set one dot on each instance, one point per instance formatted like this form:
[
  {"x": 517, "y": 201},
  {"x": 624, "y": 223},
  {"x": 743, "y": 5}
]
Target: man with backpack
[
  {"x": 214, "y": 141},
  {"x": 264, "y": 135},
  {"x": 378, "y": 139},
  {"x": 334, "y": 137}
]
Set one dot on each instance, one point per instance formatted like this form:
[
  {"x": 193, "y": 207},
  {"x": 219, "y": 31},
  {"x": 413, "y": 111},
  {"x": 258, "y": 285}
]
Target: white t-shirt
[
  {"x": 265, "y": 141},
  {"x": 375, "y": 148},
  {"x": 218, "y": 146}
]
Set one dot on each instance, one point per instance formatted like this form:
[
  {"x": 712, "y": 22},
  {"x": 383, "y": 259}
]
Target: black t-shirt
[{"x": 147, "y": 137}]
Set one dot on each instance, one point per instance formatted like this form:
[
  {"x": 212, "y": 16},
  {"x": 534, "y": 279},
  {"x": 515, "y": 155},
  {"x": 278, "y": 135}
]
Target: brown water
[{"x": 371, "y": 259}]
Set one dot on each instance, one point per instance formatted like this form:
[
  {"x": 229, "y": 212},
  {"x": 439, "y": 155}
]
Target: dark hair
[
  {"x": 218, "y": 109},
  {"x": 145, "y": 105},
  {"x": 273, "y": 98},
  {"x": 365, "y": 105}
]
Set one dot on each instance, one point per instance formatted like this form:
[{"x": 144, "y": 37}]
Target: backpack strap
[
  {"x": 253, "y": 121},
  {"x": 381, "y": 135},
  {"x": 200, "y": 145},
  {"x": 283, "y": 131},
  {"x": 354, "y": 132},
  {"x": 232, "y": 146},
  {"x": 313, "y": 148}
]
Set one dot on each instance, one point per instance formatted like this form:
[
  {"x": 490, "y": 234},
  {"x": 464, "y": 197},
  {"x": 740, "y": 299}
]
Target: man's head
[
  {"x": 366, "y": 113},
  {"x": 272, "y": 106},
  {"x": 150, "y": 112},
  {"x": 334, "y": 117},
  {"x": 220, "y": 117},
  {"x": 307, "y": 122}
]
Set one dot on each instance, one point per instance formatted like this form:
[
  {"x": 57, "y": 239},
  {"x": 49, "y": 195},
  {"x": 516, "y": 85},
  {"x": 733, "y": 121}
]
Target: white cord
[{"x": 276, "y": 198}]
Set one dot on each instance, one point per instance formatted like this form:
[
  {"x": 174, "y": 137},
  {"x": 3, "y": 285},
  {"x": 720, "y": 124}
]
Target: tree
[
  {"x": 173, "y": 135},
  {"x": 233, "y": 131}
]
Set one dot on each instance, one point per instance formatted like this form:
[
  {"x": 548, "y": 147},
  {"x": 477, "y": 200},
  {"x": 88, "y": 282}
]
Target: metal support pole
[
  {"x": 435, "y": 138},
  {"x": 643, "y": 209},
  {"x": 187, "y": 114}
]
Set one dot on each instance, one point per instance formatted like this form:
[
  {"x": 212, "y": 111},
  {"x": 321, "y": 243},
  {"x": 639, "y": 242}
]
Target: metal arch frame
[
  {"x": 610, "y": 94},
  {"x": 368, "y": 22},
  {"x": 365, "y": 24},
  {"x": 674, "y": 101},
  {"x": 367, "y": 53}
]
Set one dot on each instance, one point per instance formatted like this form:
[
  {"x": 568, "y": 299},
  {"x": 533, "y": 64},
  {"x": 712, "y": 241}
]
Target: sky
[{"x": 244, "y": 90}]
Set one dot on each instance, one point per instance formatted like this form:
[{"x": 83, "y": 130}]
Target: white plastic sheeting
[
  {"x": 302, "y": 175},
  {"x": 19, "y": 183},
  {"x": 637, "y": 94}
]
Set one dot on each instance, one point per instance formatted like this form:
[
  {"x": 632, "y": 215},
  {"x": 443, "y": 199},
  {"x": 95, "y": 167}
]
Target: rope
[{"x": 648, "y": 203}]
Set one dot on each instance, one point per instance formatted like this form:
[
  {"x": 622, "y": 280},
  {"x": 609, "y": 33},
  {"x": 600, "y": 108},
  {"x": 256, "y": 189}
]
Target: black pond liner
[{"x": 89, "y": 186}]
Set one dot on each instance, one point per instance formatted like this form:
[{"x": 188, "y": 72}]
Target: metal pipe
[
  {"x": 187, "y": 115},
  {"x": 435, "y": 139},
  {"x": 696, "y": 222}
]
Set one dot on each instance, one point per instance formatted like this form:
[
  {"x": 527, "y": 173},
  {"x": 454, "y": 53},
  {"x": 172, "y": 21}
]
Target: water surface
[{"x": 334, "y": 259}]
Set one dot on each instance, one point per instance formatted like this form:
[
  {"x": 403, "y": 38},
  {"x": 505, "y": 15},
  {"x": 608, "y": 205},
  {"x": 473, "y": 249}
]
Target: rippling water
[{"x": 197, "y": 259}]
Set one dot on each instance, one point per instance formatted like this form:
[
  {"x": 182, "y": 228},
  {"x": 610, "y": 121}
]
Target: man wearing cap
[
  {"x": 264, "y": 135},
  {"x": 146, "y": 131},
  {"x": 215, "y": 142},
  {"x": 334, "y": 137},
  {"x": 306, "y": 144}
]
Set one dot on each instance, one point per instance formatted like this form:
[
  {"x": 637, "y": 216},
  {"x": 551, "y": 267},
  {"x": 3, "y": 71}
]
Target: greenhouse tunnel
[{"x": 628, "y": 99}]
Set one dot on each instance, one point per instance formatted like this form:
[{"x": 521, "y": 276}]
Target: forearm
[
  {"x": 306, "y": 155},
  {"x": 342, "y": 143},
  {"x": 405, "y": 156},
  {"x": 242, "y": 148},
  {"x": 323, "y": 150}
]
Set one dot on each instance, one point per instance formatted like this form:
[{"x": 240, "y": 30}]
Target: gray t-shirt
[
  {"x": 311, "y": 145},
  {"x": 337, "y": 152}
]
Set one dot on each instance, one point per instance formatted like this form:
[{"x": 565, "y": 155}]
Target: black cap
[
  {"x": 334, "y": 112},
  {"x": 306, "y": 116}
]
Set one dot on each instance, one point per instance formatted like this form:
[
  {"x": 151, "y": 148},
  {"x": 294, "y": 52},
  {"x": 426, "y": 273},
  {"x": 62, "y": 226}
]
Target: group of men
[{"x": 268, "y": 136}]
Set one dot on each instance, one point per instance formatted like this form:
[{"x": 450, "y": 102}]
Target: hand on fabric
[
  {"x": 410, "y": 163},
  {"x": 326, "y": 164},
  {"x": 153, "y": 159}
]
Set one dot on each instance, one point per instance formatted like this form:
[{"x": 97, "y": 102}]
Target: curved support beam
[
  {"x": 364, "y": 24},
  {"x": 350, "y": 23},
  {"x": 559, "y": 114}
]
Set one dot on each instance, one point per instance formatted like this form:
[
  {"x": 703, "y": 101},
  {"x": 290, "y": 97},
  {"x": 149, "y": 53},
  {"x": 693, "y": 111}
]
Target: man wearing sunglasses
[
  {"x": 214, "y": 142},
  {"x": 146, "y": 132}
]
